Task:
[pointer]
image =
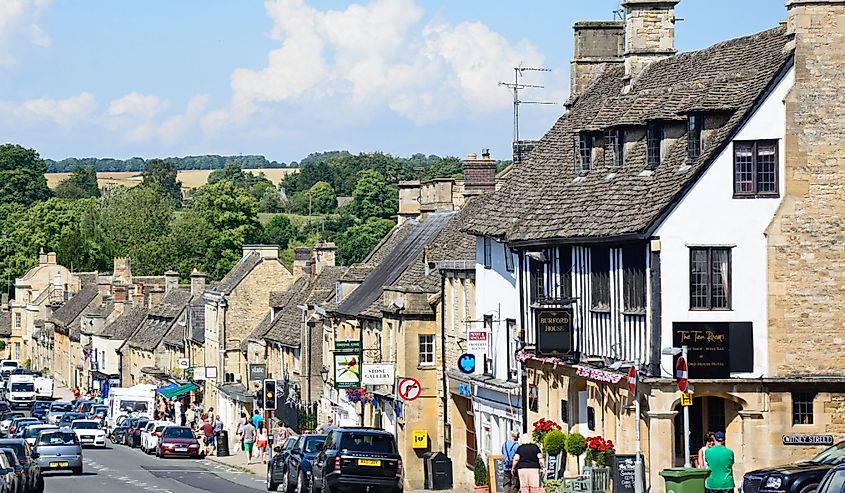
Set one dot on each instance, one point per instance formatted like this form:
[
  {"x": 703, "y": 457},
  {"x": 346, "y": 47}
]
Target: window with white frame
[
  {"x": 426, "y": 349},
  {"x": 17, "y": 320},
  {"x": 488, "y": 356},
  {"x": 296, "y": 361},
  {"x": 513, "y": 347}
]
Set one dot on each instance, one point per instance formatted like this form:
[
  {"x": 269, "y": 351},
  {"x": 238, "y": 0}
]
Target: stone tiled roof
[
  {"x": 242, "y": 269},
  {"x": 285, "y": 328},
  {"x": 123, "y": 326},
  {"x": 357, "y": 272},
  {"x": 73, "y": 308},
  {"x": 545, "y": 198},
  {"x": 197, "y": 320},
  {"x": 160, "y": 319},
  {"x": 5, "y": 323},
  {"x": 324, "y": 284},
  {"x": 277, "y": 298}
]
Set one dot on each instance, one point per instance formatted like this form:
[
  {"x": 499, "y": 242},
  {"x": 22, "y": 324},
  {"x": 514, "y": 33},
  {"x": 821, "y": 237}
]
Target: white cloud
[
  {"x": 136, "y": 105},
  {"x": 63, "y": 112},
  {"x": 375, "y": 55},
  {"x": 19, "y": 24}
]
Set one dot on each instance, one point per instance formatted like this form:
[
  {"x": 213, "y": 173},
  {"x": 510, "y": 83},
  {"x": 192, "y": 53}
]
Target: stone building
[
  {"x": 65, "y": 326},
  {"x": 688, "y": 199}
]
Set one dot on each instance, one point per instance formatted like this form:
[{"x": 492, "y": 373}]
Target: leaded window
[
  {"x": 633, "y": 279},
  {"x": 654, "y": 141},
  {"x": 600, "y": 278},
  {"x": 756, "y": 168},
  {"x": 614, "y": 147},
  {"x": 710, "y": 278},
  {"x": 695, "y": 136},
  {"x": 585, "y": 152}
]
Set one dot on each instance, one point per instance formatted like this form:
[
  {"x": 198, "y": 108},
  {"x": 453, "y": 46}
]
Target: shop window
[
  {"x": 591, "y": 418},
  {"x": 802, "y": 408},
  {"x": 564, "y": 413},
  {"x": 470, "y": 426},
  {"x": 533, "y": 398}
]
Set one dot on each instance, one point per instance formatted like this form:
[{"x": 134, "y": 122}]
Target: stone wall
[
  {"x": 649, "y": 33},
  {"x": 806, "y": 239},
  {"x": 597, "y": 45}
]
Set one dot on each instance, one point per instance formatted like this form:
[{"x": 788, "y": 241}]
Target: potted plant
[
  {"x": 541, "y": 427},
  {"x": 480, "y": 472},
  {"x": 599, "y": 454},
  {"x": 575, "y": 446},
  {"x": 553, "y": 444}
]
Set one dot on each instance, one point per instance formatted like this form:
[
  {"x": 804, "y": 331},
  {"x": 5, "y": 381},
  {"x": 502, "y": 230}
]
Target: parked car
[
  {"x": 133, "y": 435},
  {"x": 28, "y": 458},
  {"x": 833, "y": 481},
  {"x": 31, "y": 432},
  {"x": 151, "y": 433},
  {"x": 89, "y": 432},
  {"x": 178, "y": 441},
  {"x": 23, "y": 425},
  {"x": 17, "y": 422},
  {"x": 68, "y": 418},
  {"x": 6, "y": 422},
  {"x": 118, "y": 433},
  {"x": 11, "y": 472},
  {"x": 356, "y": 459},
  {"x": 799, "y": 477},
  {"x": 59, "y": 449},
  {"x": 297, "y": 475},
  {"x": 277, "y": 465},
  {"x": 56, "y": 411},
  {"x": 40, "y": 409}
]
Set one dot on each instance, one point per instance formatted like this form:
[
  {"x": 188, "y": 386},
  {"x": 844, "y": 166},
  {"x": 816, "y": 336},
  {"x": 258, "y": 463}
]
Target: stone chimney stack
[
  {"x": 598, "y": 45},
  {"x": 51, "y": 258},
  {"x": 122, "y": 270},
  {"x": 409, "y": 200},
  {"x": 805, "y": 275},
  {"x": 197, "y": 282},
  {"x": 266, "y": 251},
  {"x": 171, "y": 280},
  {"x": 324, "y": 256},
  {"x": 42, "y": 257},
  {"x": 649, "y": 34},
  {"x": 301, "y": 262},
  {"x": 479, "y": 174}
]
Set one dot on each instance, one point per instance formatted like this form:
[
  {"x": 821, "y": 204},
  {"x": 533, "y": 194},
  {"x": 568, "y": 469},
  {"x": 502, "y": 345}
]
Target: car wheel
[
  {"x": 301, "y": 484},
  {"x": 77, "y": 471},
  {"x": 286, "y": 486},
  {"x": 810, "y": 488},
  {"x": 271, "y": 485}
]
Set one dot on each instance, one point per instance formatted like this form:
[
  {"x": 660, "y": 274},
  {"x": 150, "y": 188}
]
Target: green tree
[
  {"x": 80, "y": 184},
  {"x": 354, "y": 244},
  {"x": 322, "y": 197},
  {"x": 373, "y": 197},
  {"x": 162, "y": 175},
  {"x": 22, "y": 175},
  {"x": 280, "y": 231}
]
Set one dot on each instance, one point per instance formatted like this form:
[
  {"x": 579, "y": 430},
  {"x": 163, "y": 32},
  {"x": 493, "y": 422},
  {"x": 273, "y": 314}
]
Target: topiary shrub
[
  {"x": 575, "y": 446},
  {"x": 480, "y": 471},
  {"x": 554, "y": 442}
]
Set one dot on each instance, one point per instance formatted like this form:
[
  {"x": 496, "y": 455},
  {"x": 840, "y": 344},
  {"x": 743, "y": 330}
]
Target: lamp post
[
  {"x": 639, "y": 486},
  {"x": 674, "y": 351}
]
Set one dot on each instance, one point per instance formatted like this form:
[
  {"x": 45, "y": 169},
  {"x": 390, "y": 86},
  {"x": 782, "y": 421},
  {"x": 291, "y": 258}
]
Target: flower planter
[
  {"x": 600, "y": 478},
  {"x": 481, "y": 489}
]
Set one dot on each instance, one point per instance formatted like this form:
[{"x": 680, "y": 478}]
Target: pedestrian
[
  {"x": 241, "y": 422},
  {"x": 210, "y": 414},
  {"x": 208, "y": 430},
  {"x": 720, "y": 461},
  {"x": 528, "y": 463},
  {"x": 708, "y": 442},
  {"x": 510, "y": 481},
  {"x": 261, "y": 442},
  {"x": 281, "y": 432},
  {"x": 190, "y": 416},
  {"x": 177, "y": 412},
  {"x": 256, "y": 419},
  {"x": 326, "y": 428},
  {"x": 249, "y": 440}
]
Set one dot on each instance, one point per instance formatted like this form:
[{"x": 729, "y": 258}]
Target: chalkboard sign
[
  {"x": 624, "y": 467},
  {"x": 496, "y": 474}
]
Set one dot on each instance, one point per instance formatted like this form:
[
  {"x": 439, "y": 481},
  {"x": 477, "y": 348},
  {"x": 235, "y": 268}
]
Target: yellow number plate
[
  {"x": 369, "y": 462},
  {"x": 58, "y": 464}
]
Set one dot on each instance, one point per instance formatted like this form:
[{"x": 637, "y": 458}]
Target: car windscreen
[
  {"x": 133, "y": 406},
  {"x": 311, "y": 443},
  {"x": 71, "y": 416},
  {"x": 23, "y": 387},
  {"x": 85, "y": 425},
  {"x": 172, "y": 432},
  {"x": 159, "y": 429},
  {"x": 60, "y": 407},
  {"x": 364, "y": 442},
  {"x": 56, "y": 439},
  {"x": 11, "y": 457},
  {"x": 18, "y": 447},
  {"x": 32, "y": 432},
  {"x": 832, "y": 455}
]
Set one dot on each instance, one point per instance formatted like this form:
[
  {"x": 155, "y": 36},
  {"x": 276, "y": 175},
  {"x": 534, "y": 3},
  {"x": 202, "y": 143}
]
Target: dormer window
[
  {"x": 695, "y": 136},
  {"x": 614, "y": 147},
  {"x": 585, "y": 152},
  {"x": 654, "y": 141}
]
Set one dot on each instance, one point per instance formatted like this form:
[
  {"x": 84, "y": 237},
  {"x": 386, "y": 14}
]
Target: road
[{"x": 126, "y": 470}]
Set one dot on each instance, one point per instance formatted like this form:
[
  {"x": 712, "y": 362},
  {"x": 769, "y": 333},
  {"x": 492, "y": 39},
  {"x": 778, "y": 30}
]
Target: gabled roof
[
  {"x": 324, "y": 284},
  {"x": 123, "y": 326},
  {"x": 390, "y": 264},
  {"x": 160, "y": 319},
  {"x": 197, "y": 319},
  {"x": 546, "y": 198},
  {"x": 72, "y": 310},
  {"x": 237, "y": 274},
  {"x": 285, "y": 328}
]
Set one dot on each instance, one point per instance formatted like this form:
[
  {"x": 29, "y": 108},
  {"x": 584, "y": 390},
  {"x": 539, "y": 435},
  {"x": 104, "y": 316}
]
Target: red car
[{"x": 178, "y": 441}]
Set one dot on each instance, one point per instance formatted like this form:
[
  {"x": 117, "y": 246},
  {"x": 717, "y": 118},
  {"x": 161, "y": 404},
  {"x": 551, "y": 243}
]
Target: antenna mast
[{"x": 515, "y": 87}]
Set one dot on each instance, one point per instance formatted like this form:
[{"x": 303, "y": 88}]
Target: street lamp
[
  {"x": 674, "y": 351},
  {"x": 324, "y": 374},
  {"x": 638, "y": 462}
]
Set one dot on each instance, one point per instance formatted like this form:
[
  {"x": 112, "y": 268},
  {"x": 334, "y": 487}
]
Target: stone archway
[{"x": 710, "y": 411}]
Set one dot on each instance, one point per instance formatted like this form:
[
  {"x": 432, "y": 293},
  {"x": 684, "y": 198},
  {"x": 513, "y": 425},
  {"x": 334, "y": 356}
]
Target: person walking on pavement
[
  {"x": 720, "y": 461},
  {"x": 708, "y": 442},
  {"x": 241, "y": 422},
  {"x": 249, "y": 440},
  {"x": 510, "y": 481},
  {"x": 261, "y": 442},
  {"x": 256, "y": 419},
  {"x": 326, "y": 428},
  {"x": 190, "y": 417},
  {"x": 208, "y": 430},
  {"x": 528, "y": 463}
]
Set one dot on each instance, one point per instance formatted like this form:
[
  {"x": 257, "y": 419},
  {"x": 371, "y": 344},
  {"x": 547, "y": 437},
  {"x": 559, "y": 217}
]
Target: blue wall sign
[
  {"x": 465, "y": 390},
  {"x": 466, "y": 363}
]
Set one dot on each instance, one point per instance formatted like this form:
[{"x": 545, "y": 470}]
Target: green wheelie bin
[{"x": 684, "y": 479}]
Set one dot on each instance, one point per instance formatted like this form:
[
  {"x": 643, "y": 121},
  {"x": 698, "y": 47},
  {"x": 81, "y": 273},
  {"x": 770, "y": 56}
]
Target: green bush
[
  {"x": 554, "y": 442},
  {"x": 553, "y": 485},
  {"x": 480, "y": 471},
  {"x": 575, "y": 444}
]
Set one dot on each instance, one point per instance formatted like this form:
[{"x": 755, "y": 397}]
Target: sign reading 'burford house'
[{"x": 554, "y": 331}]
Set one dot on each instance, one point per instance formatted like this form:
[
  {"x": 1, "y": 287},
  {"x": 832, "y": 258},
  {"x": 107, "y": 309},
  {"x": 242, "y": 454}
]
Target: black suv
[
  {"x": 799, "y": 477},
  {"x": 358, "y": 459}
]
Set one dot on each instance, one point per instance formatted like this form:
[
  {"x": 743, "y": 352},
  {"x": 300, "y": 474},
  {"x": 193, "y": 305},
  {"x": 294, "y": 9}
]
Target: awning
[
  {"x": 237, "y": 392},
  {"x": 166, "y": 388},
  {"x": 179, "y": 390}
]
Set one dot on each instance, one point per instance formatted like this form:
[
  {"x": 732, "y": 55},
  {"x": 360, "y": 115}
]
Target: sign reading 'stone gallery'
[{"x": 378, "y": 374}]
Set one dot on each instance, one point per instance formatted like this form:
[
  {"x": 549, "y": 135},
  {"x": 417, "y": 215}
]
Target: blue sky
[{"x": 284, "y": 78}]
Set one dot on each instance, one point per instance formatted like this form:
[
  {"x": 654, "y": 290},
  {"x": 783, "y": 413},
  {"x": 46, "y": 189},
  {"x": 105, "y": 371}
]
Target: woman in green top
[{"x": 720, "y": 461}]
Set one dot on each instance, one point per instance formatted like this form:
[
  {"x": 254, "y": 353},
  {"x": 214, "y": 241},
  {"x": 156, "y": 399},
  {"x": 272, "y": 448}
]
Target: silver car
[{"x": 59, "y": 449}]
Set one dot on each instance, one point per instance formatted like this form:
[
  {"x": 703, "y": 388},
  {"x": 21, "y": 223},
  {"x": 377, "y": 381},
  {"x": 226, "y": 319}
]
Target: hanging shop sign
[
  {"x": 351, "y": 346},
  {"x": 257, "y": 372},
  {"x": 378, "y": 374},
  {"x": 554, "y": 332},
  {"x": 347, "y": 370},
  {"x": 477, "y": 341},
  {"x": 466, "y": 363}
]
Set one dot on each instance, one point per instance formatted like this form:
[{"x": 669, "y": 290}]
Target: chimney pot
[{"x": 471, "y": 156}]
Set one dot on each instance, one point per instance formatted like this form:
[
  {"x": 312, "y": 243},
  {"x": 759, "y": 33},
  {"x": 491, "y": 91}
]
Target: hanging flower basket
[{"x": 359, "y": 395}]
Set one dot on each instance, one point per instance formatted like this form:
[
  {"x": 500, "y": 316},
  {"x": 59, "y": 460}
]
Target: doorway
[{"x": 706, "y": 414}]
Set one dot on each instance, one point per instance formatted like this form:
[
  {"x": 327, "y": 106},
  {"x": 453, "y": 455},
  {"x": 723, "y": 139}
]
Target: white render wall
[
  {"x": 710, "y": 216},
  {"x": 496, "y": 294},
  {"x": 109, "y": 346}
]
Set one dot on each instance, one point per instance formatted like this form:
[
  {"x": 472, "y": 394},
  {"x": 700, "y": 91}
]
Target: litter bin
[
  {"x": 684, "y": 479},
  {"x": 437, "y": 469},
  {"x": 221, "y": 439}
]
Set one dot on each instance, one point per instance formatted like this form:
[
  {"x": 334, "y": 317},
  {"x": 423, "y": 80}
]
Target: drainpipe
[
  {"x": 443, "y": 360},
  {"x": 524, "y": 383}
]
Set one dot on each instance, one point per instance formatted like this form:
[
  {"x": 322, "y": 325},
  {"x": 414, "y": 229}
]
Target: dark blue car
[
  {"x": 298, "y": 471},
  {"x": 40, "y": 409}
]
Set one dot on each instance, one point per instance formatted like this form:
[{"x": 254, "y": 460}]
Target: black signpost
[
  {"x": 554, "y": 331},
  {"x": 624, "y": 473}
]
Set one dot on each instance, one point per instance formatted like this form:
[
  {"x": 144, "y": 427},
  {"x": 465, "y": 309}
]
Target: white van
[
  {"x": 7, "y": 366},
  {"x": 132, "y": 401},
  {"x": 20, "y": 391}
]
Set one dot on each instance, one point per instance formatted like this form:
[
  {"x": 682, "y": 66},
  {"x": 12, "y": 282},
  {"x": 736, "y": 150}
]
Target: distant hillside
[{"x": 182, "y": 163}]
